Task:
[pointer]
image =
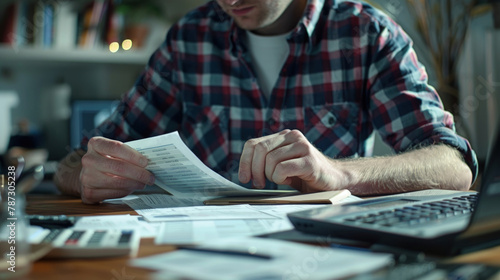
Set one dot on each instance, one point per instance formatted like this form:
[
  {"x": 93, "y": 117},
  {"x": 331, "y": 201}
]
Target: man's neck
[{"x": 286, "y": 22}]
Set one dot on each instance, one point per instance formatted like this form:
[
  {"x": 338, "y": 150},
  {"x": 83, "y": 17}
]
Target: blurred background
[
  {"x": 459, "y": 44},
  {"x": 64, "y": 64}
]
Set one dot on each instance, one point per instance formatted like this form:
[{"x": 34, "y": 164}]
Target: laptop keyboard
[{"x": 419, "y": 214}]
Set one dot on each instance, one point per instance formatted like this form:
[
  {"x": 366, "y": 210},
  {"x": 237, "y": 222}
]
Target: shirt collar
[
  {"x": 311, "y": 16},
  {"x": 308, "y": 23}
]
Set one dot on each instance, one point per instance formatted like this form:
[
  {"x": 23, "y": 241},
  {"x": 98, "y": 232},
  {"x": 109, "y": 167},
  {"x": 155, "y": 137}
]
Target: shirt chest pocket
[
  {"x": 333, "y": 128},
  {"x": 205, "y": 131}
]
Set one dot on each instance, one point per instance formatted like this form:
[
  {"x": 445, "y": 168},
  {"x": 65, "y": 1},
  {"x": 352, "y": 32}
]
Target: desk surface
[{"x": 118, "y": 268}]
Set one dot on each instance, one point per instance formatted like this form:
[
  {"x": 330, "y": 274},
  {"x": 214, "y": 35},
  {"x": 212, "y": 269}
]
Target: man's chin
[
  {"x": 256, "y": 28},
  {"x": 246, "y": 23},
  {"x": 248, "y": 27}
]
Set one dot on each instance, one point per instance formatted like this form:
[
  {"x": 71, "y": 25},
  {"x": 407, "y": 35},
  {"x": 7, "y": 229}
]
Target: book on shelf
[
  {"x": 43, "y": 24},
  {"x": 92, "y": 24},
  {"x": 115, "y": 25},
  {"x": 13, "y": 25},
  {"x": 8, "y": 24},
  {"x": 65, "y": 25}
]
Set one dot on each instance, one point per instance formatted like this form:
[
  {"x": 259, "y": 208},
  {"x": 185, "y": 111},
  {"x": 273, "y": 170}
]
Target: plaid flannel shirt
[{"x": 351, "y": 71}]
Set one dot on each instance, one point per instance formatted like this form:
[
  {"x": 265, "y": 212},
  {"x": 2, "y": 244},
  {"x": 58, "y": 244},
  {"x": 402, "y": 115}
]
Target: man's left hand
[{"x": 288, "y": 158}]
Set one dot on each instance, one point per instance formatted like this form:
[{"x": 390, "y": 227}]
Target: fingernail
[
  {"x": 152, "y": 180},
  {"x": 144, "y": 161},
  {"x": 243, "y": 177}
]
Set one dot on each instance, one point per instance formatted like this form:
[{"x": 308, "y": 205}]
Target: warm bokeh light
[
  {"x": 114, "y": 47},
  {"x": 127, "y": 44}
]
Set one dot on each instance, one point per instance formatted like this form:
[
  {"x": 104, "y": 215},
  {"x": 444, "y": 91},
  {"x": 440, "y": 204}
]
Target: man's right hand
[{"x": 111, "y": 169}]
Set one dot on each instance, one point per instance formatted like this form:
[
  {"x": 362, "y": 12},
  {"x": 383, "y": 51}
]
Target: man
[{"x": 307, "y": 83}]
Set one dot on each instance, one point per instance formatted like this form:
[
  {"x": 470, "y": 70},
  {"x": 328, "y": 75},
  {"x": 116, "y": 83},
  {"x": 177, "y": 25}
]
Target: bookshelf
[
  {"x": 30, "y": 25},
  {"x": 39, "y": 53},
  {"x": 24, "y": 44},
  {"x": 93, "y": 72}
]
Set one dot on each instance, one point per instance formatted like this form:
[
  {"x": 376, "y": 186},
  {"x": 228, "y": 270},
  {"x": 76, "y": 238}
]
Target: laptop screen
[{"x": 487, "y": 210}]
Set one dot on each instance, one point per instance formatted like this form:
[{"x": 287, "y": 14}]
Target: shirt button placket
[
  {"x": 331, "y": 121},
  {"x": 272, "y": 125}
]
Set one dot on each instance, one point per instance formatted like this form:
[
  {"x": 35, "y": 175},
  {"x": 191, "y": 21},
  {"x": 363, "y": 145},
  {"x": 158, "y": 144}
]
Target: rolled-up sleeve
[{"x": 405, "y": 109}]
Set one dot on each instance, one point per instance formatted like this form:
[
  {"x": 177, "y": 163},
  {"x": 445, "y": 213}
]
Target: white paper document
[
  {"x": 178, "y": 171},
  {"x": 222, "y": 226},
  {"x": 283, "y": 260},
  {"x": 281, "y": 211},
  {"x": 152, "y": 201},
  {"x": 107, "y": 222},
  {"x": 196, "y": 232},
  {"x": 230, "y": 212}
]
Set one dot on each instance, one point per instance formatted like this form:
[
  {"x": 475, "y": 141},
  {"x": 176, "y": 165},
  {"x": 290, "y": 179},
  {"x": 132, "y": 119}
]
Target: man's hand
[
  {"x": 288, "y": 158},
  {"x": 111, "y": 169}
]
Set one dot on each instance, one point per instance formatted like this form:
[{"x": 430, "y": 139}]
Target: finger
[
  {"x": 247, "y": 155},
  {"x": 117, "y": 149},
  {"x": 270, "y": 145},
  {"x": 245, "y": 168},
  {"x": 94, "y": 163},
  {"x": 261, "y": 150},
  {"x": 97, "y": 186},
  {"x": 283, "y": 153},
  {"x": 109, "y": 181},
  {"x": 298, "y": 167}
]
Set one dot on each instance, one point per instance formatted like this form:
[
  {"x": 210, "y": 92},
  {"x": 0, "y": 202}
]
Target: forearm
[
  {"x": 436, "y": 167},
  {"x": 67, "y": 177}
]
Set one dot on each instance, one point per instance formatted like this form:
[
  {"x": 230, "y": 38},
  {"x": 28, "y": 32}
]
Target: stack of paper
[{"x": 259, "y": 258}]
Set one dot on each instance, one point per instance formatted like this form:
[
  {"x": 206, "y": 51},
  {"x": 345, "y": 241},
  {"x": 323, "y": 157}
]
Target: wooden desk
[{"x": 118, "y": 268}]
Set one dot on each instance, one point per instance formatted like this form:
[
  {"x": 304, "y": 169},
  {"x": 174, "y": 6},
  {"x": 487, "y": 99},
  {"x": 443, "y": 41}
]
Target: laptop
[{"x": 445, "y": 223}]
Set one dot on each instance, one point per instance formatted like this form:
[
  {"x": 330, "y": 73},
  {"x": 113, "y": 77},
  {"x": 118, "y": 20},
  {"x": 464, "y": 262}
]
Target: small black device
[{"x": 52, "y": 221}]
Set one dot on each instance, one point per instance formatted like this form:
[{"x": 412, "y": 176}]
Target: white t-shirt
[{"x": 268, "y": 56}]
